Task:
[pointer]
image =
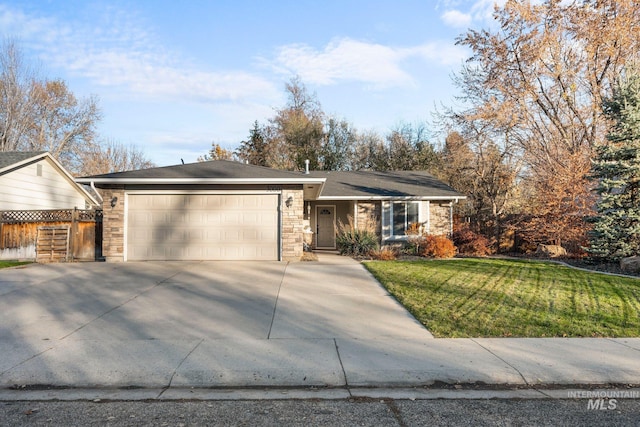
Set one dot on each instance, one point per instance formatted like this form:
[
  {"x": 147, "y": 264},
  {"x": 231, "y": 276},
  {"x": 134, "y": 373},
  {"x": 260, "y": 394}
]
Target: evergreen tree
[
  {"x": 254, "y": 150},
  {"x": 616, "y": 167}
]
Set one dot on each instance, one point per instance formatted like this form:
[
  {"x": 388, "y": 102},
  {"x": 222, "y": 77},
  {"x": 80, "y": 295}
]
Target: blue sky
[{"x": 174, "y": 76}]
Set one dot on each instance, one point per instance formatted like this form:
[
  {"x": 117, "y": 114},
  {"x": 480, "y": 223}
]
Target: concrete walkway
[{"x": 173, "y": 326}]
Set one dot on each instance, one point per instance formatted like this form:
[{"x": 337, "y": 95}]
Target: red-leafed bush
[
  {"x": 436, "y": 246},
  {"x": 469, "y": 242}
]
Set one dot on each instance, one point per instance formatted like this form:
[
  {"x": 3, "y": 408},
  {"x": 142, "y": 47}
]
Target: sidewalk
[{"x": 333, "y": 363}]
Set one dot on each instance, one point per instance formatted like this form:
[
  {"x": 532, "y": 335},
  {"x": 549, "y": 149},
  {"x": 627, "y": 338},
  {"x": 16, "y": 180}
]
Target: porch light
[
  {"x": 114, "y": 201},
  {"x": 289, "y": 201}
]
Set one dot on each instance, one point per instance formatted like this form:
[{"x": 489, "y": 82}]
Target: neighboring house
[
  {"x": 32, "y": 184},
  {"x": 37, "y": 181},
  {"x": 222, "y": 210}
]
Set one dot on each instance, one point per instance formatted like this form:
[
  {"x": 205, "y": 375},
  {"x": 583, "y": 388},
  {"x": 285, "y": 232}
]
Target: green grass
[
  {"x": 512, "y": 298},
  {"x": 5, "y": 264}
]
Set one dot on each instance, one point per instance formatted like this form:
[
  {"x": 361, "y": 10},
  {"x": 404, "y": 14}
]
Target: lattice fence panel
[{"x": 57, "y": 215}]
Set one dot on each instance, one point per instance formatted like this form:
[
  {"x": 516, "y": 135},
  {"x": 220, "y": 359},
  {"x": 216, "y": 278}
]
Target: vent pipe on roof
[{"x": 306, "y": 167}]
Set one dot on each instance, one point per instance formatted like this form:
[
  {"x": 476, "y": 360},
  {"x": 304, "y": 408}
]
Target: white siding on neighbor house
[{"x": 26, "y": 189}]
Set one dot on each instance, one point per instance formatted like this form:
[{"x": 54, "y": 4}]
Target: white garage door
[{"x": 202, "y": 227}]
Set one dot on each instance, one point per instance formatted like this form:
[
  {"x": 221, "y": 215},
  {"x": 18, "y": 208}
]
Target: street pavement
[
  {"x": 307, "y": 413},
  {"x": 325, "y": 329}
]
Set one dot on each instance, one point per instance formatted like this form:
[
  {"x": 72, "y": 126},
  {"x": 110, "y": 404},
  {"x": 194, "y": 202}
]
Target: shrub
[
  {"x": 471, "y": 243},
  {"x": 414, "y": 239},
  {"x": 358, "y": 241},
  {"x": 413, "y": 229},
  {"x": 384, "y": 254},
  {"x": 413, "y": 246},
  {"x": 438, "y": 247}
]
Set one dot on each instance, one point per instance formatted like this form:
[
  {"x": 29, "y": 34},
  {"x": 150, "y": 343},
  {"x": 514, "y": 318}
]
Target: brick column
[
  {"x": 292, "y": 224},
  {"x": 440, "y": 218},
  {"x": 113, "y": 225},
  {"x": 370, "y": 213}
]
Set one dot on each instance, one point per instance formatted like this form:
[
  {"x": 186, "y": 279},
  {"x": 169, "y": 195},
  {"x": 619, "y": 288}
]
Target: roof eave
[{"x": 451, "y": 197}]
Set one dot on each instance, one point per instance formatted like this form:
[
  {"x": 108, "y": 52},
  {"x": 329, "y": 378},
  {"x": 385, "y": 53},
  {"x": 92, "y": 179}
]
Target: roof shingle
[
  {"x": 376, "y": 184},
  {"x": 223, "y": 169},
  {"x": 8, "y": 158}
]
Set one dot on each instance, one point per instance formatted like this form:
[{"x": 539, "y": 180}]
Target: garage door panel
[{"x": 202, "y": 227}]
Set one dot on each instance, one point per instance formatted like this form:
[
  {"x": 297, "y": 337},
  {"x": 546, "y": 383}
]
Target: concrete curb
[{"x": 198, "y": 394}]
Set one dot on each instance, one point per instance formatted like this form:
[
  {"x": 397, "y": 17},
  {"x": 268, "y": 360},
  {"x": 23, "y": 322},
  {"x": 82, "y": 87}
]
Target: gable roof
[
  {"x": 336, "y": 185},
  {"x": 12, "y": 160},
  {"x": 384, "y": 185},
  {"x": 215, "y": 171}
]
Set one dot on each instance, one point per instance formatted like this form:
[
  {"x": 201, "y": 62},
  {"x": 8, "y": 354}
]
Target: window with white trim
[{"x": 403, "y": 214}]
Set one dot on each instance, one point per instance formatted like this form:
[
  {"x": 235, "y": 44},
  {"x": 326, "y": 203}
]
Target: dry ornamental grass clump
[{"x": 357, "y": 241}]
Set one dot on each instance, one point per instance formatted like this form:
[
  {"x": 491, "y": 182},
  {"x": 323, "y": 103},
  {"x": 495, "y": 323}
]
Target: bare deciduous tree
[
  {"x": 42, "y": 115},
  {"x": 110, "y": 156},
  {"x": 17, "y": 102},
  {"x": 217, "y": 153},
  {"x": 61, "y": 124},
  {"x": 542, "y": 76},
  {"x": 487, "y": 172},
  {"x": 298, "y": 127}
]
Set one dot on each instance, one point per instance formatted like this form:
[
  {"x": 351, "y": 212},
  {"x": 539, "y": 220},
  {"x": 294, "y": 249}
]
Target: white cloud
[
  {"x": 482, "y": 10},
  {"x": 478, "y": 11},
  {"x": 120, "y": 54},
  {"x": 351, "y": 60},
  {"x": 456, "y": 19},
  {"x": 442, "y": 53}
]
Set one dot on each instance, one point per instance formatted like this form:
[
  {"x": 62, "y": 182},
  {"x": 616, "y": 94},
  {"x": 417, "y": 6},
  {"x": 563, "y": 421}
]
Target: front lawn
[
  {"x": 512, "y": 298},
  {"x": 5, "y": 264}
]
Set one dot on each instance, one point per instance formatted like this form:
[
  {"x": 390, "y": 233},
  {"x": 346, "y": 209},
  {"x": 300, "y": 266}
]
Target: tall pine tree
[
  {"x": 616, "y": 167},
  {"x": 254, "y": 150}
]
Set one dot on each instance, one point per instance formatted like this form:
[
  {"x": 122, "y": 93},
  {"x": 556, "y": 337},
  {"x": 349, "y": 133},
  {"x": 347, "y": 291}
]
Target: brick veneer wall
[
  {"x": 440, "y": 219},
  {"x": 368, "y": 211},
  {"x": 292, "y": 224},
  {"x": 113, "y": 225}
]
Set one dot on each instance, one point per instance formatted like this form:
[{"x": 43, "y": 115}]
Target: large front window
[{"x": 404, "y": 214}]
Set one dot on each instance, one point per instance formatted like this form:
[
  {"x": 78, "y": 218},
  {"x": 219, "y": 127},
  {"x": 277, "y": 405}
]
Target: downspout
[
  {"x": 355, "y": 214},
  {"x": 451, "y": 216},
  {"x": 95, "y": 190},
  {"x": 280, "y": 221}
]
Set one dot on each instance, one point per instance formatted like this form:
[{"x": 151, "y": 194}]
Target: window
[{"x": 404, "y": 214}]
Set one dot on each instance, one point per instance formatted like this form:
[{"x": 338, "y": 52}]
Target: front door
[{"x": 326, "y": 227}]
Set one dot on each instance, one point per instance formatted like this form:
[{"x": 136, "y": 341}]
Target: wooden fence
[{"x": 29, "y": 235}]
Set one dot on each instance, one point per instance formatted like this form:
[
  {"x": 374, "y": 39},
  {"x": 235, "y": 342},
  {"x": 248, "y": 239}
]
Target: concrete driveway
[
  {"x": 222, "y": 323},
  {"x": 200, "y": 300}
]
